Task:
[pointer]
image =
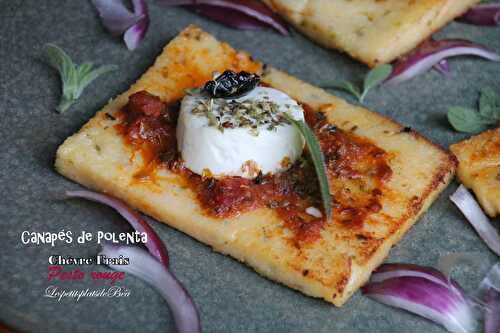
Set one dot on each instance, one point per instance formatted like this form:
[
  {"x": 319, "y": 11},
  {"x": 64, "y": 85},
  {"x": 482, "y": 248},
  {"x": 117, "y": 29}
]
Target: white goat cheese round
[{"x": 239, "y": 137}]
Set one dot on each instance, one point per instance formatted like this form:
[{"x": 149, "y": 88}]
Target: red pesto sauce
[{"x": 357, "y": 170}]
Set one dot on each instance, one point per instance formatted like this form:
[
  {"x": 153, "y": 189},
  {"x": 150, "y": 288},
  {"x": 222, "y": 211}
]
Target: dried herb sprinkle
[{"x": 251, "y": 114}]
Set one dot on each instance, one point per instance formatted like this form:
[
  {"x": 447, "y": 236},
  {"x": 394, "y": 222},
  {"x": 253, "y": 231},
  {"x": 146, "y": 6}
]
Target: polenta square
[
  {"x": 479, "y": 167},
  {"x": 372, "y": 31},
  {"x": 382, "y": 177}
]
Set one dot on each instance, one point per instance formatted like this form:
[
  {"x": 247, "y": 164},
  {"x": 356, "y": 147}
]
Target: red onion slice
[
  {"x": 431, "y": 53},
  {"x": 443, "y": 67},
  {"x": 147, "y": 268},
  {"x": 475, "y": 215},
  {"x": 251, "y": 8},
  {"x": 491, "y": 280},
  {"x": 487, "y": 14},
  {"x": 154, "y": 244},
  {"x": 389, "y": 271},
  {"x": 490, "y": 287},
  {"x": 118, "y": 20},
  {"x": 228, "y": 17},
  {"x": 135, "y": 34},
  {"x": 115, "y": 17},
  {"x": 425, "y": 298},
  {"x": 492, "y": 315}
]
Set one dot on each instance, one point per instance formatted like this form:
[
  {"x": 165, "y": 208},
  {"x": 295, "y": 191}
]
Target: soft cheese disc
[{"x": 239, "y": 137}]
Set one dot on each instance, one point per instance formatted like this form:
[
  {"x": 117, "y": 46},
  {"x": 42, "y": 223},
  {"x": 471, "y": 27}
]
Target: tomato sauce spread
[{"x": 357, "y": 171}]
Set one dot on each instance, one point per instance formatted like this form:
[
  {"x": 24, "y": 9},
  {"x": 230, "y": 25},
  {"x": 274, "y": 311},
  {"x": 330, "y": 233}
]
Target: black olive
[
  {"x": 231, "y": 85},
  {"x": 259, "y": 179}
]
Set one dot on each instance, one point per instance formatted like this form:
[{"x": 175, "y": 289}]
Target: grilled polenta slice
[
  {"x": 479, "y": 168},
  {"x": 372, "y": 31},
  {"x": 334, "y": 266}
]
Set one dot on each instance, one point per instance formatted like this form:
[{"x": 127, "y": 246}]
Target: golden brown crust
[
  {"x": 371, "y": 31},
  {"x": 479, "y": 167},
  {"x": 334, "y": 266}
]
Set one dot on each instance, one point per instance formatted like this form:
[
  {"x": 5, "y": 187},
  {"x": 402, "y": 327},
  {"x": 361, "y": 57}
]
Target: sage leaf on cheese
[
  {"x": 318, "y": 160},
  {"x": 74, "y": 78}
]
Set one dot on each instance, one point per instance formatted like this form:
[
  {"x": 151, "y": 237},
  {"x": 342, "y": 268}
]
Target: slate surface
[{"x": 231, "y": 297}]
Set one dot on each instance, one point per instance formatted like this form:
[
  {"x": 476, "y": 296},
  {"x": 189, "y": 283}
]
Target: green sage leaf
[
  {"x": 60, "y": 60},
  {"x": 88, "y": 77},
  {"x": 85, "y": 68},
  {"x": 467, "y": 120},
  {"x": 74, "y": 78},
  {"x": 489, "y": 104},
  {"x": 375, "y": 77},
  {"x": 346, "y": 86},
  {"x": 318, "y": 160}
]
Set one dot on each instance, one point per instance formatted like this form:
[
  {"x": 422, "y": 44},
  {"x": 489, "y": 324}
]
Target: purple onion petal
[
  {"x": 140, "y": 7},
  {"x": 475, "y": 215},
  {"x": 228, "y": 17},
  {"x": 177, "y": 2},
  {"x": 433, "y": 52},
  {"x": 491, "y": 280},
  {"x": 389, "y": 271},
  {"x": 135, "y": 34},
  {"x": 487, "y": 14},
  {"x": 492, "y": 315},
  {"x": 119, "y": 20},
  {"x": 252, "y": 8},
  {"x": 443, "y": 67},
  {"x": 425, "y": 298},
  {"x": 490, "y": 288},
  {"x": 144, "y": 266},
  {"x": 154, "y": 244},
  {"x": 115, "y": 16}
]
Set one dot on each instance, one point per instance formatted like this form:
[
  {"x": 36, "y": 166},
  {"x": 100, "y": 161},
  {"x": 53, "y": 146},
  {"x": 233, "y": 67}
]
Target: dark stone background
[{"x": 231, "y": 297}]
